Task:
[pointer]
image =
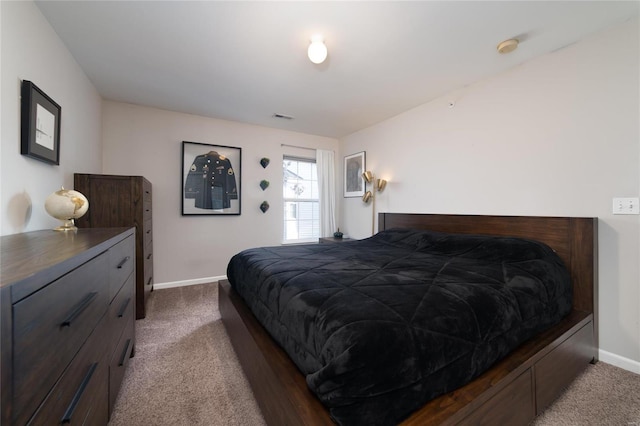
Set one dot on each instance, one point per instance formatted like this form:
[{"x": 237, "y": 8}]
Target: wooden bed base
[{"x": 512, "y": 392}]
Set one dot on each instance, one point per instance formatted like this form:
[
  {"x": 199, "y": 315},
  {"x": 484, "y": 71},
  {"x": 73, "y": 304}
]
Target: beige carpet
[
  {"x": 602, "y": 395},
  {"x": 186, "y": 373}
]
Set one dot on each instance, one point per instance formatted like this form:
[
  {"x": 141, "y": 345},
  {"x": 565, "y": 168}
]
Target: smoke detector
[{"x": 508, "y": 45}]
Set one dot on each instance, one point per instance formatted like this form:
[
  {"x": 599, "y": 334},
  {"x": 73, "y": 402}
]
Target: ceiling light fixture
[
  {"x": 508, "y": 45},
  {"x": 317, "y": 50}
]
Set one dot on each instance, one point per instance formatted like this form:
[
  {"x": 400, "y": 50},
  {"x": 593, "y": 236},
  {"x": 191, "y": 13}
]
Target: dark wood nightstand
[{"x": 328, "y": 240}]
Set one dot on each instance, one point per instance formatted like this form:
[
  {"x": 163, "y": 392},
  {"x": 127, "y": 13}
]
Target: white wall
[
  {"x": 148, "y": 142},
  {"x": 31, "y": 50},
  {"x": 558, "y": 135}
]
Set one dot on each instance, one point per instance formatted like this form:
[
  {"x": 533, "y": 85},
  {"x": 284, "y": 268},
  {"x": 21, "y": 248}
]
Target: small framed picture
[
  {"x": 354, "y": 166},
  {"x": 211, "y": 181},
  {"x": 40, "y": 125}
]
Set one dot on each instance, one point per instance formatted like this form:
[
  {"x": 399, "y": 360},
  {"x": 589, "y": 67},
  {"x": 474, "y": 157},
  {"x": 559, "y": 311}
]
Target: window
[{"x": 301, "y": 200}]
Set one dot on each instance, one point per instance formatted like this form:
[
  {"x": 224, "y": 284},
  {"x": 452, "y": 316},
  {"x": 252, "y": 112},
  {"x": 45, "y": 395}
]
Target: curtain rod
[{"x": 302, "y": 147}]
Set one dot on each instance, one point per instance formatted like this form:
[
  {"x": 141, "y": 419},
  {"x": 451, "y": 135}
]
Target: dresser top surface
[{"x": 34, "y": 258}]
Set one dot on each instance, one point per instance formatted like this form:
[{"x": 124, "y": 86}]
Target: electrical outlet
[{"x": 626, "y": 206}]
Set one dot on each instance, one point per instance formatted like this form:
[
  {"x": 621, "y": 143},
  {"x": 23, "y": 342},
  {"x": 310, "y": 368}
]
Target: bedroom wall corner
[
  {"x": 31, "y": 50},
  {"x": 147, "y": 142}
]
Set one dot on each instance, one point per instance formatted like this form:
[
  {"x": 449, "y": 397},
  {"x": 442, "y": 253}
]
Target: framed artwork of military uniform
[{"x": 210, "y": 179}]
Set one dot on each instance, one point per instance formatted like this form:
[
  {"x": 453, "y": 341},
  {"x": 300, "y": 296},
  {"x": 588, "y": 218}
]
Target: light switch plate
[{"x": 626, "y": 206}]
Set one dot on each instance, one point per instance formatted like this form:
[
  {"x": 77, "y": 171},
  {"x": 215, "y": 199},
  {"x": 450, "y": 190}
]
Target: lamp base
[{"x": 67, "y": 225}]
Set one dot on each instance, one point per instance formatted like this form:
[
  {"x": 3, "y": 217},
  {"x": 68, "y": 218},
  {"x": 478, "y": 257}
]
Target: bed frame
[{"x": 512, "y": 392}]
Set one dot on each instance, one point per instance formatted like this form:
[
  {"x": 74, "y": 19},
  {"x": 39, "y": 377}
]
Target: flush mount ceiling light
[
  {"x": 508, "y": 45},
  {"x": 317, "y": 51}
]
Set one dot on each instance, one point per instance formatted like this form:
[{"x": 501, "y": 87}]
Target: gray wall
[{"x": 148, "y": 142}]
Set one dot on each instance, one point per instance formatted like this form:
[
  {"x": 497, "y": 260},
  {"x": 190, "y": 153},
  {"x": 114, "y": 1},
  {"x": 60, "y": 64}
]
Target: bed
[{"x": 514, "y": 389}]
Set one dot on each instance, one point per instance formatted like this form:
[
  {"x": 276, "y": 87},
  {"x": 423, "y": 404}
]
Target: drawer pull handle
[
  {"x": 122, "y": 262},
  {"x": 149, "y": 257},
  {"x": 76, "y": 398},
  {"x": 84, "y": 303},
  {"x": 124, "y": 353},
  {"x": 124, "y": 308},
  {"x": 149, "y": 231}
]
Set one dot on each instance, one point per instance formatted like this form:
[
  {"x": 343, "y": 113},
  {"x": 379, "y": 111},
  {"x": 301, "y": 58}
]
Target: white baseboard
[
  {"x": 184, "y": 283},
  {"x": 619, "y": 361}
]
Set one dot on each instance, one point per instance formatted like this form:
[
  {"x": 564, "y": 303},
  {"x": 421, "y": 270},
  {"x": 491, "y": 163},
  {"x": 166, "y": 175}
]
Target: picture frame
[
  {"x": 211, "y": 179},
  {"x": 40, "y": 125},
  {"x": 354, "y": 166}
]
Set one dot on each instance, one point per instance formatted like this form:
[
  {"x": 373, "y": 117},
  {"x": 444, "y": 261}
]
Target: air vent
[{"x": 284, "y": 117}]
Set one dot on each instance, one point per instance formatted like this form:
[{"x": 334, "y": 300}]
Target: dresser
[
  {"x": 67, "y": 324},
  {"x": 122, "y": 201}
]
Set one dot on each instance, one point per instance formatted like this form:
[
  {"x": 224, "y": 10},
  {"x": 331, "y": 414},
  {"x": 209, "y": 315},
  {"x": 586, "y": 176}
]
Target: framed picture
[
  {"x": 211, "y": 180},
  {"x": 40, "y": 125},
  {"x": 354, "y": 166}
]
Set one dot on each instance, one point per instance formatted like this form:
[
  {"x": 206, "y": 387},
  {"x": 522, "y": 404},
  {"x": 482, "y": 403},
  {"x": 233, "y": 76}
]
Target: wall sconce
[
  {"x": 317, "y": 50},
  {"x": 378, "y": 186}
]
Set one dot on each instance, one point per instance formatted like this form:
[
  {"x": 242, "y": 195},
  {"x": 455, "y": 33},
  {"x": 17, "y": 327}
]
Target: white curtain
[{"x": 327, "y": 192}]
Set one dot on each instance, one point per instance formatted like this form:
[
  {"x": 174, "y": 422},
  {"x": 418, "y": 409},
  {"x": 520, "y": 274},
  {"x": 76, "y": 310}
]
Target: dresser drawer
[
  {"x": 147, "y": 232},
  {"x": 518, "y": 396},
  {"x": 81, "y": 395},
  {"x": 556, "y": 369},
  {"x": 119, "y": 361},
  {"x": 148, "y": 276},
  {"x": 148, "y": 249},
  {"x": 146, "y": 200},
  {"x": 49, "y": 328},
  {"x": 121, "y": 261},
  {"x": 148, "y": 264},
  {"x": 148, "y": 282},
  {"x": 121, "y": 310},
  {"x": 146, "y": 208},
  {"x": 146, "y": 190}
]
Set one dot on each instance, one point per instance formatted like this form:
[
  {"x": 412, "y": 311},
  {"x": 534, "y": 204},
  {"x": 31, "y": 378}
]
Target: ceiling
[{"x": 246, "y": 61}]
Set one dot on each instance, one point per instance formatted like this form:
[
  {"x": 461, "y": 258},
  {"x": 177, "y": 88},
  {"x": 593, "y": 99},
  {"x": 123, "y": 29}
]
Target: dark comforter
[{"x": 382, "y": 325}]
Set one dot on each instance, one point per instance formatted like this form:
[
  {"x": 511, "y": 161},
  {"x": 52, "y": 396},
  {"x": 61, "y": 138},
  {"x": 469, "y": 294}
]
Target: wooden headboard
[{"x": 575, "y": 239}]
